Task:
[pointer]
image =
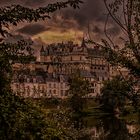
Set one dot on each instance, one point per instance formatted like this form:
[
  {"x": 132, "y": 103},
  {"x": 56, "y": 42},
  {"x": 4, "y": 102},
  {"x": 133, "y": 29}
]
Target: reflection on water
[{"x": 106, "y": 128}]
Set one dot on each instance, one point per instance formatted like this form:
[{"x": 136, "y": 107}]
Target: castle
[{"x": 48, "y": 77}]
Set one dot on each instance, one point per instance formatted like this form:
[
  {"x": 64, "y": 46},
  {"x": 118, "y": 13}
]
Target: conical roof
[
  {"x": 42, "y": 49},
  {"x": 83, "y": 45}
]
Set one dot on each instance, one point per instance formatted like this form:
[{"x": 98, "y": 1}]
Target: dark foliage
[{"x": 19, "y": 118}]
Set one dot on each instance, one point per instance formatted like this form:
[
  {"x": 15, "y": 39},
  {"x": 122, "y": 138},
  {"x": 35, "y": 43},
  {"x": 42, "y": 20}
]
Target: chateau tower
[
  {"x": 42, "y": 54},
  {"x": 84, "y": 46}
]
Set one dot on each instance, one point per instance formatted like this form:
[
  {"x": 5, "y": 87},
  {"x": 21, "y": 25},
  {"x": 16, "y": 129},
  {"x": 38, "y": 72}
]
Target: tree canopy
[
  {"x": 124, "y": 14},
  {"x": 19, "y": 118},
  {"x": 78, "y": 91},
  {"x": 114, "y": 94}
]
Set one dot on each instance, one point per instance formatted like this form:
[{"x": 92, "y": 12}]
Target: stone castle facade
[{"x": 48, "y": 77}]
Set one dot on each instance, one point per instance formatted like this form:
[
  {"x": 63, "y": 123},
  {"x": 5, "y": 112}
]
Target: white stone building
[{"x": 63, "y": 59}]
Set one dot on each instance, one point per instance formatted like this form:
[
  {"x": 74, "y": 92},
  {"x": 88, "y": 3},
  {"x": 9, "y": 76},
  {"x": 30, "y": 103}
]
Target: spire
[
  {"x": 83, "y": 45},
  {"x": 42, "y": 49}
]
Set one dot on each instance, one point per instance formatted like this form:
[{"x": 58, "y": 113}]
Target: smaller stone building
[{"x": 48, "y": 85}]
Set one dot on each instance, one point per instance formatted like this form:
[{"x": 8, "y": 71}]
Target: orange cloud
[{"x": 60, "y": 35}]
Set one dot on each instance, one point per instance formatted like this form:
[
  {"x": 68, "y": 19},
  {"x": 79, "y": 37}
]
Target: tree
[
  {"x": 126, "y": 15},
  {"x": 113, "y": 94},
  {"x": 114, "y": 128},
  {"x": 20, "y": 119},
  {"x": 79, "y": 89}
]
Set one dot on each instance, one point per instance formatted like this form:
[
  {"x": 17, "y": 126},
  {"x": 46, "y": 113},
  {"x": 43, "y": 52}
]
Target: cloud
[
  {"x": 27, "y": 3},
  {"x": 35, "y": 3},
  {"x": 32, "y": 29},
  {"x": 58, "y": 35},
  {"x": 114, "y": 30},
  {"x": 91, "y": 12},
  {"x": 96, "y": 29}
]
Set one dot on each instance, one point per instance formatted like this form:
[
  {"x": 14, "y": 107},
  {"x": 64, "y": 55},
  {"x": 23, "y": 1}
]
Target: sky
[{"x": 67, "y": 24}]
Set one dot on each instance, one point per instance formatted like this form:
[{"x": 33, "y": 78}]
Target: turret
[
  {"x": 83, "y": 45},
  {"x": 42, "y": 54},
  {"x": 42, "y": 51}
]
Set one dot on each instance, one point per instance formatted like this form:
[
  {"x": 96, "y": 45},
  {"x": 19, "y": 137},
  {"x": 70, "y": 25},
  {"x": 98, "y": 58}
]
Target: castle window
[
  {"x": 92, "y": 84},
  {"x": 28, "y": 89},
  {"x": 61, "y": 85},
  {"x": 50, "y": 91},
  {"x": 61, "y": 92},
  {"x": 66, "y": 93},
  {"x": 39, "y": 87},
  {"x": 43, "y": 89},
  {"x": 54, "y": 85},
  {"x": 17, "y": 86},
  {"x": 92, "y": 90},
  {"x": 34, "y": 88},
  {"x": 31, "y": 80},
  {"x": 28, "y": 80},
  {"x": 49, "y": 85},
  {"x": 28, "y": 94},
  {"x": 54, "y": 91}
]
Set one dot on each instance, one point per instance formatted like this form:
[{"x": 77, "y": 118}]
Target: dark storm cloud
[
  {"x": 114, "y": 30},
  {"x": 96, "y": 29},
  {"x": 91, "y": 12},
  {"x": 14, "y": 38},
  {"x": 35, "y": 3},
  {"x": 32, "y": 29},
  {"x": 23, "y": 2},
  {"x": 9, "y": 2}
]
